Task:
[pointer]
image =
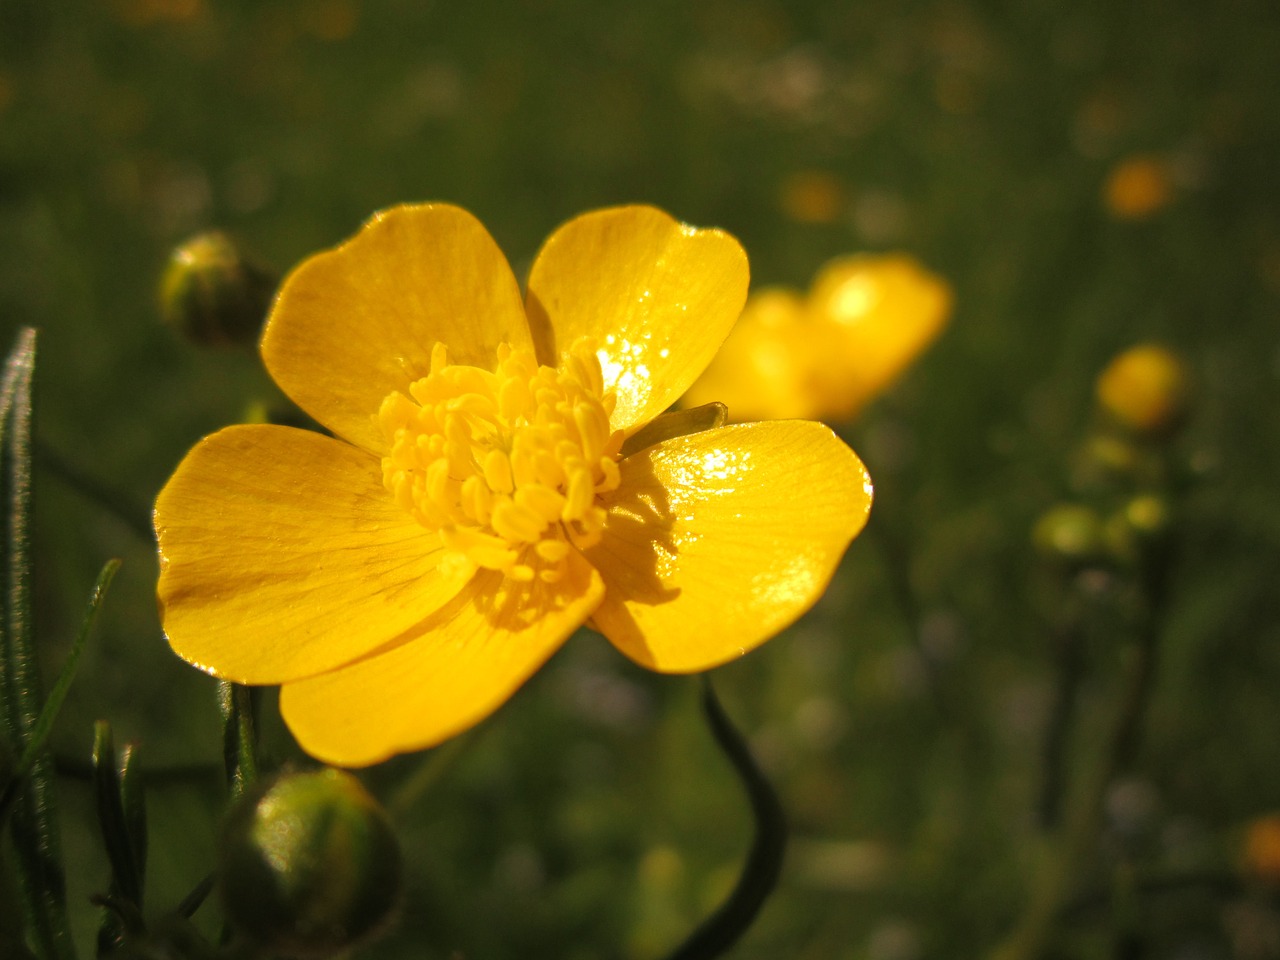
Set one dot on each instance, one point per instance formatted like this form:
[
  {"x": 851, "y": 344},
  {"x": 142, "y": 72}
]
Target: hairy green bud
[
  {"x": 212, "y": 295},
  {"x": 309, "y": 865}
]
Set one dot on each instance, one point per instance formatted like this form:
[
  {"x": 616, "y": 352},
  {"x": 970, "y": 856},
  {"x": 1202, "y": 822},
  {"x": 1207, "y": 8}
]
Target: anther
[{"x": 496, "y": 462}]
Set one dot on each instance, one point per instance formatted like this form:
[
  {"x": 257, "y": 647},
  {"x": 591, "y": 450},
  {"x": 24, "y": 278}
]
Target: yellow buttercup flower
[
  {"x": 501, "y": 473},
  {"x": 826, "y": 355}
]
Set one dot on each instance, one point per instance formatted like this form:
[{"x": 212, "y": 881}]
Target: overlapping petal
[
  {"x": 282, "y": 556},
  {"x": 764, "y": 370},
  {"x": 717, "y": 540},
  {"x": 355, "y": 323},
  {"x": 459, "y": 667},
  {"x": 884, "y": 311},
  {"x": 658, "y": 296},
  {"x": 827, "y": 355}
]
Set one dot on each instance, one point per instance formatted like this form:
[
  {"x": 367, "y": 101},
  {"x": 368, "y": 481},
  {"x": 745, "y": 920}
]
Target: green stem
[
  {"x": 239, "y": 735},
  {"x": 720, "y": 931},
  {"x": 1066, "y": 857},
  {"x": 119, "y": 505},
  {"x": 1069, "y": 646},
  {"x": 35, "y": 837},
  {"x": 435, "y": 764}
]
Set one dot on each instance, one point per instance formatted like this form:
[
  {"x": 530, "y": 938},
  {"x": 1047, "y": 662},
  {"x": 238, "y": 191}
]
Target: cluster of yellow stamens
[{"x": 505, "y": 465}]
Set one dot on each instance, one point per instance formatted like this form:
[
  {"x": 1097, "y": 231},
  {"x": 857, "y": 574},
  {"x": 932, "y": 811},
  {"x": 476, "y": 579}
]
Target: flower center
[{"x": 504, "y": 466}]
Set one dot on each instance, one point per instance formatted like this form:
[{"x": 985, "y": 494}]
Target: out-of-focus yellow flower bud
[
  {"x": 813, "y": 196},
  {"x": 1146, "y": 389},
  {"x": 1070, "y": 533},
  {"x": 1260, "y": 855},
  {"x": 309, "y": 866},
  {"x": 885, "y": 310},
  {"x": 212, "y": 295},
  {"x": 1148, "y": 516},
  {"x": 1138, "y": 187}
]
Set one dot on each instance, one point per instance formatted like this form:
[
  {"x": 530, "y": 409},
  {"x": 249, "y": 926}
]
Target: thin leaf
[
  {"x": 193, "y": 900},
  {"x": 133, "y": 800},
  {"x": 720, "y": 931},
  {"x": 53, "y": 704},
  {"x": 125, "y": 880}
]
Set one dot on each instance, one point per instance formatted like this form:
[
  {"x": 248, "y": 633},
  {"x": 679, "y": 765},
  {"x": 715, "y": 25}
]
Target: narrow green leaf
[
  {"x": 35, "y": 839},
  {"x": 193, "y": 900},
  {"x": 124, "y": 897},
  {"x": 133, "y": 800},
  {"x": 53, "y": 704},
  {"x": 108, "y": 797},
  {"x": 122, "y": 907},
  {"x": 720, "y": 931},
  {"x": 239, "y": 735}
]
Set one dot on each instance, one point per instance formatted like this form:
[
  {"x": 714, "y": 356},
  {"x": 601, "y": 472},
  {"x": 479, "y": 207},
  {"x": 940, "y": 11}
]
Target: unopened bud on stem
[
  {"x": 212, "y": 295},
  {"x": 309, "y": 865}
]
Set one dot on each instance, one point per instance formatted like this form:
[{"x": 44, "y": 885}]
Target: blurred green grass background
[{"x": 592, "y": 815}]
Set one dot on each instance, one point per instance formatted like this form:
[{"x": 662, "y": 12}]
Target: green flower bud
[
  {"x": 210, "y": 294},
  {"x": 1070, "y": 533},
  {"x": 1138, "y": 527},
  {"x": 1148, "y": 515},
  {"x": 309, "y": 865}
]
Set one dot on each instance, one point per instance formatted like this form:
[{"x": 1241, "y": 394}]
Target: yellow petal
[
  {"x": 716, "y": 541},
  {"x": 281, "y": 555},
  {"x": 657, "y": 296},
  {"x": 763, "y": 371},
  {"x": 463, "y": 664},
  {"x": 353, "y": 324},
  {"x": 885, "y": 311}
]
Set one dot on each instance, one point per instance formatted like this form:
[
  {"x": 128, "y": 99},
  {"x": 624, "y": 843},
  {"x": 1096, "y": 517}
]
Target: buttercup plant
[{"x": 501, "y": 473}]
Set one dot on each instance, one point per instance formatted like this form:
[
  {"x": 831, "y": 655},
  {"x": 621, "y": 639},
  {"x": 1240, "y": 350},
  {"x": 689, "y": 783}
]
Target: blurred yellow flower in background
[
  {"x": 826, "y": 355},
  {"x": 501, "y": 474},
  {"x": 1138, "y": 187},
  {"x": 1261, "y": 849},
  {"x": 1145, "y": 389}
]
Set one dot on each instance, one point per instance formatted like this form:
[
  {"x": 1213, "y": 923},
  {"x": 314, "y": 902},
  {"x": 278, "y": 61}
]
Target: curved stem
[{"x": 759, "y": 876}]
